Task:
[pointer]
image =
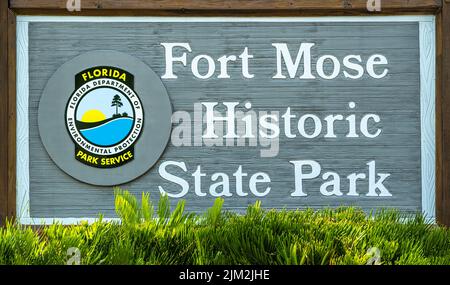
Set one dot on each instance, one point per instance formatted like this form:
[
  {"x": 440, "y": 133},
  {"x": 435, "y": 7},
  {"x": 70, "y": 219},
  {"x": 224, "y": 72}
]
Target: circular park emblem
[{"x": 104, "y": 118}]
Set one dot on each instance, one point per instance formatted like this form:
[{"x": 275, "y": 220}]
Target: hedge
[{"x": 149, "y": 236}]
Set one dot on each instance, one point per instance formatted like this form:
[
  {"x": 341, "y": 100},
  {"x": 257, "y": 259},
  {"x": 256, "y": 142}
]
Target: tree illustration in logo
[{"x": 116, "y": 102}]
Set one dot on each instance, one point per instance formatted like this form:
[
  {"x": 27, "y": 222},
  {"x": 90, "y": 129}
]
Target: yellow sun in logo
[{"x": 92, "y": 116}]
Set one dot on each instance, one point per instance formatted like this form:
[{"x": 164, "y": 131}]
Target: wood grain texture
[
  {"x": 54, "y": 194},
  {"x": 443, "y": 191},
  {"x": 439, "y": 123},
  {"x": 11, "y": 114},
  {"x": 3, "y": 111},
  {"x": 305, "y": 5},
  {"x": 220, "y": 13}
]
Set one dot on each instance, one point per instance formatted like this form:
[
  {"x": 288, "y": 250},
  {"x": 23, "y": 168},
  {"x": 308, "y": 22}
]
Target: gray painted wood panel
[{"x": 395, "y": 98}]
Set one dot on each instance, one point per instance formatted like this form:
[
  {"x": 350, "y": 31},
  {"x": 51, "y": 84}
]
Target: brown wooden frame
[{"x": 9, "y": 10}]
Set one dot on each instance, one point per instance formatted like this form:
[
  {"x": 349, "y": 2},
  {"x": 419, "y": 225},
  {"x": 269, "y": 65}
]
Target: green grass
[{"x": 153, "y": 234}]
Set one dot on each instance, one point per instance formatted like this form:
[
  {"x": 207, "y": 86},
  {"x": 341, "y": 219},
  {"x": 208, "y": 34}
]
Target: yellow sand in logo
[{"x": 92, "y": 116}]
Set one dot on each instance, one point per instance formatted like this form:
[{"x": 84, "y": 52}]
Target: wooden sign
[{"x": 296, "y": 112}]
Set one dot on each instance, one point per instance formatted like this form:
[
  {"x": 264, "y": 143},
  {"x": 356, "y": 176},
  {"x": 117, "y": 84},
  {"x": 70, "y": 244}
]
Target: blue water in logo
[{"x": 109, "y": 133}]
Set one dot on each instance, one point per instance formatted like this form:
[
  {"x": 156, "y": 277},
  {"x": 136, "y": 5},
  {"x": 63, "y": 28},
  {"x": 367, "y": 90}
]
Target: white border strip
[
  {"x": 427, "y": 96},
  {"x": 63, "y": 221},
  {"x": 108, "y": 19},
  {"x": 428, "y": 117},
  {"x": 22, "y": 149}
]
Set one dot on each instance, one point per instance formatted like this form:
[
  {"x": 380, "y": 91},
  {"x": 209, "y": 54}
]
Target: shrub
[{"x": 146, "y": 235}]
